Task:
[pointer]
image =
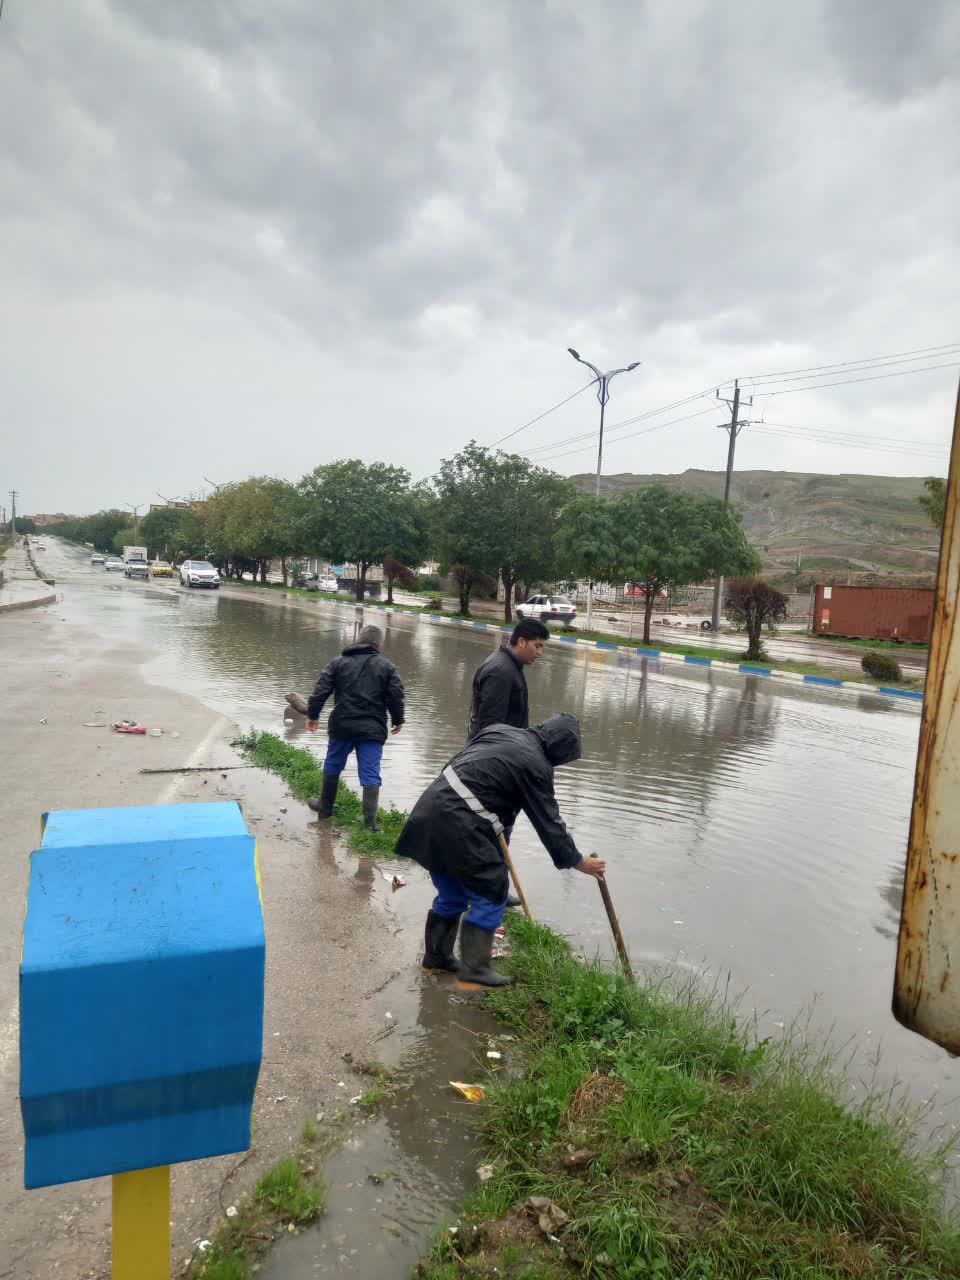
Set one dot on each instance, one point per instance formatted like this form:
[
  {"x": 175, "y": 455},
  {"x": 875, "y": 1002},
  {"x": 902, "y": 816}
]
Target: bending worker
[
  {"x": 365, "y": 686},
  {"x": 500, "y": 684},
  {"x": 454, "y": 829}
]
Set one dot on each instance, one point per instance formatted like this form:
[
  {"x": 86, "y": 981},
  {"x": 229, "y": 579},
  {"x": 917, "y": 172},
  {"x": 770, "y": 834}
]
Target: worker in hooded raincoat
[{"x": 454, "y": 828}]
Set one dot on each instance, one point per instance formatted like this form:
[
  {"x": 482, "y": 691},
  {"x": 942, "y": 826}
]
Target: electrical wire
[
  {"x": 626, "y": 422},
  {"x": 839, "y": 432},
  {"x": 558, "y": 405},
  {"x": 875, "y": 377},
  {"x": 848, "y": 365},
  {"x": 659, "y": 426}
]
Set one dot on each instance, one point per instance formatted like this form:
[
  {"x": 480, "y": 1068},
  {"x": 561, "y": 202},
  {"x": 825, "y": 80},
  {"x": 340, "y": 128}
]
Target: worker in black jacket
[
  {"x": 500, "y": 685},
  {"x": 365, "y": 686},
  {"x": 454, "y": 828}
]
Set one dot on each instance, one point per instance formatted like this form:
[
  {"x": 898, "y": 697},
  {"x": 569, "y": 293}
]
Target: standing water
[{"x": 755, "y": 834}]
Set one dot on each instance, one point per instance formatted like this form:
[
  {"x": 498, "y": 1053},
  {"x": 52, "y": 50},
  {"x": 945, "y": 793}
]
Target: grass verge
[
  {"x": 303, "y": 774},
  {"x": 289, "y": 1195},
  {"x": 668, "y": 1141},
  {"x": 850, "y": 674}
]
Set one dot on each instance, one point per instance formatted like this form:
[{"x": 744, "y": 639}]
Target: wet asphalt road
[{"x": 755, "y": 834}]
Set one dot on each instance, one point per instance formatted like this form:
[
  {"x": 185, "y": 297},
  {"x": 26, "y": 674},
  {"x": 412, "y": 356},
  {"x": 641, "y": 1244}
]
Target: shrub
[
  {"x": 434, "y": 604},
  {"x": 881, "y": 666},
  {"x": 430, "y": 582}
]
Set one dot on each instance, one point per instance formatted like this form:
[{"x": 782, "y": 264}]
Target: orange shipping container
[{"x": 874, "y": 613}]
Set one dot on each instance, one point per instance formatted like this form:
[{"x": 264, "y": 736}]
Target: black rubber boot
[
  {"x": 324, "y": 806},
  {"x": 371, "y": 801},
  {"x": 438, "y": 939},
  {"x": 476, "y": 949}
]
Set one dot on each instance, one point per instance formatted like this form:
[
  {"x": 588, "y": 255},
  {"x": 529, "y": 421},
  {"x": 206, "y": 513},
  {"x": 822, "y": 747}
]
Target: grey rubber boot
[
  {"x": 513, "y": 901},
  {"x": 324, "y": 806},
  {"x": 476, "y": 949},
  {"x": 438, "y": 940},
  {"x": 371, "y": 801}
]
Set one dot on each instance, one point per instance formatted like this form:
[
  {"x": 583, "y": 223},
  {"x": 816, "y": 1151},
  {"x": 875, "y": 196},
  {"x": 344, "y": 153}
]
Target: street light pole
[
  {"x": 603, "y": 395},
  {"x": 136, "y": 517}
]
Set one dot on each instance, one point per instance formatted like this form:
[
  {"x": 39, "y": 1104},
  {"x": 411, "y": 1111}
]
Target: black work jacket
[
  {"x": 508, "y": 771},
  {"x": 365, "y": 686},
  {"x": 499, "y": 693}
]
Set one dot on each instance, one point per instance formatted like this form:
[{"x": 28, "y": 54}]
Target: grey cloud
[{"x": 381, "y": 175}]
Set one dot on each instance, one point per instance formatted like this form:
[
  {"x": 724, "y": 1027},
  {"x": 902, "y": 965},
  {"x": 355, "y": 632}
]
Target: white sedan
[
  {"x": 113, "y": 565},
  {"x": 548, "y": 608}
]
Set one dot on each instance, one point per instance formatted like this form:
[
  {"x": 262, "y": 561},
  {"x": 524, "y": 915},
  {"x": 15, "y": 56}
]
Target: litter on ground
[{"x": 472, "y": 1092}]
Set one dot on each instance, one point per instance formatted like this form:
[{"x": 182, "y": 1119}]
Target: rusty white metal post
[{"x": 926, "y": 996}]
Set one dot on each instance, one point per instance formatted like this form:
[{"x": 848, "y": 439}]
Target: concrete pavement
[{"x": 327, "y": 945}]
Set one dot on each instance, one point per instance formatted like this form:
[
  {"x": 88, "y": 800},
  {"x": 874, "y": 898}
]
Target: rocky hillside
[{"x": 840, "y": 525}]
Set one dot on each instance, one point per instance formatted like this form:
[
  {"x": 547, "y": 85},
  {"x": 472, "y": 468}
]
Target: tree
[
  {"x": 171, "y": 533},
  {"x": 656, "y": 538},
  {"x": 353, "y": 511},
  {"x": 934, "y": 501},
  {"x": 397, "y": 574},
  {"x": 249, "y": 523},
  {"x": 126, "y": 538},
  {"x": 464, "y": 522},
  {"x": 497, "y": 514},
  {"x": 527, "y": 513},
  {"x": 753, "y": 604}
]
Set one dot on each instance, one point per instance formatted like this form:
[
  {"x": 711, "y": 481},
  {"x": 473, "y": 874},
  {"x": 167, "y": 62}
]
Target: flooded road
[{"x": 753, "y": 832}]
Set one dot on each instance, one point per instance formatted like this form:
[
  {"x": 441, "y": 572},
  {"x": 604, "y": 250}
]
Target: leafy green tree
[
  {"x": 171, "y": 533},
  {"x": 754, "y": 605},
  {"x": 354, "y": 511},
  {"x": 657, "y": 538},
  {"x": 250, "y": 522},
  {"x": 464, "y": 518},
  {"x": 128, "y": 537},
  {"x": 934, "y": 501}
]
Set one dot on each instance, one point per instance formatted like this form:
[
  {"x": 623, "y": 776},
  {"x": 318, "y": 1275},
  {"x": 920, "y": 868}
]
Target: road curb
[
  {"x": 35, "y": 603},
  {"x": 658, "y": 655}
]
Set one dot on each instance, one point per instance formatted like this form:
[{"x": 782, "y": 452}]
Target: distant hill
[{"x": 842, "y": 525}]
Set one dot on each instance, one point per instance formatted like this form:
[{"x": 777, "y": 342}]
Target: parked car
[
  {"x": 199, "y": 573},
  {"x": 135, "y": 569},
  {"x": 548, "y": 609},
  {"x": 328, "y": 584},
  {"x": 308, "y": 581},
  {"x": 113, "y": 564},
  {"x": 97, "y": 558},
  {"x": 160, "y": 569}
]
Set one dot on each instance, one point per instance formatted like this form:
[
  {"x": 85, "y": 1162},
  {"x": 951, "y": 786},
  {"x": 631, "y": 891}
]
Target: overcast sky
[{"x": 249, "y": 237}]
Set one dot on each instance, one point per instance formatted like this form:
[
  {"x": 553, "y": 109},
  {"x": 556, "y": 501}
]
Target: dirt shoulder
[{"x": 327, "y": 944}]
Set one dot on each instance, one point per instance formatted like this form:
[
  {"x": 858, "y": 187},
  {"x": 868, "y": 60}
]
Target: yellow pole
[{"x": 141, "y": 1224}]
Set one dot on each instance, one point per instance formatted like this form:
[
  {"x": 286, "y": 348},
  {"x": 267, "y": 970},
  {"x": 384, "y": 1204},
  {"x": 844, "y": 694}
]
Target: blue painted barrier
[
  {"x": 141, "y": 990},
  {"x": 747, "y": 669},
  {"x": 827, "y": 680},
  {"x": 605, "y": 644},
  {"x": 649, "y": 653},
  {"x": 697, "y": 662},
  {"x": 904, "y": 693}
]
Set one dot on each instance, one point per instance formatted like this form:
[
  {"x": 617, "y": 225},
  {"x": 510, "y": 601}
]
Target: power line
[
  {"x": 558, "y": 405},
  {"x": 867, "y": 360},
  {"x": 931, "y": 453},
  {"x": 659, "y": 426},
  {"x": 856, "y": 435},
  {"x": 626, "y": 422},
  {"x": 876, "y": 377}
]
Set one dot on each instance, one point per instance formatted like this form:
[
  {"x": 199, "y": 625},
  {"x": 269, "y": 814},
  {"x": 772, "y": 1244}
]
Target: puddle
[{"x": 403, "y": 1171}]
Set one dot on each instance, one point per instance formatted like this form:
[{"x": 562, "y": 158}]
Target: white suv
[
  {"x": 548, "y": 608},
  {"x": 199, "y": 573}
]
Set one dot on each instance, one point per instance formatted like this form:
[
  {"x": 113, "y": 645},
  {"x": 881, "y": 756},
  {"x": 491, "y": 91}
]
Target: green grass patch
[
  {"x": 915, "y": 645},
  {"x": 810, "y": 668},
  {"x": 679, "y": 1144},
  {"x": 303, "y": 774},
  {"x": 289, "y": 1194}
]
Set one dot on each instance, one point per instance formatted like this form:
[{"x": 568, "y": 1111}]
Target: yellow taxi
[{"x": 160, "y": 569}]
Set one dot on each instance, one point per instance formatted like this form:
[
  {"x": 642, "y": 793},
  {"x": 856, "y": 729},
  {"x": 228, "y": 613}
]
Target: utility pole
[
  {"x": 734, "y": 426},
  {"x": 603, "y": 395},
  {"x": 13, "y": 515}
]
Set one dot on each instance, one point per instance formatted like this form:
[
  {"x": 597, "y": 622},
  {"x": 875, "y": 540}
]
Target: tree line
[{"x": 484, "y": 515}]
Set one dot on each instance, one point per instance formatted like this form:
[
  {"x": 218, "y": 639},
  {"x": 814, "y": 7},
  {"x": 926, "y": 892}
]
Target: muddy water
[{"x": 754, "y": 834}]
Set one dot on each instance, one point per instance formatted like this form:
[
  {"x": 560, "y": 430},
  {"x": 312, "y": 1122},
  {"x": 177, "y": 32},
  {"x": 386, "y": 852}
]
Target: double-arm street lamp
[{"x": 603, "y": 395}]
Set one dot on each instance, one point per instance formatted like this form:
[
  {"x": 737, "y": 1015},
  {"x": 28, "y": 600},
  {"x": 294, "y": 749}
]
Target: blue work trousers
[
  {"x": 453, "y": 899},
  {"x": 369, "y": 755}
]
